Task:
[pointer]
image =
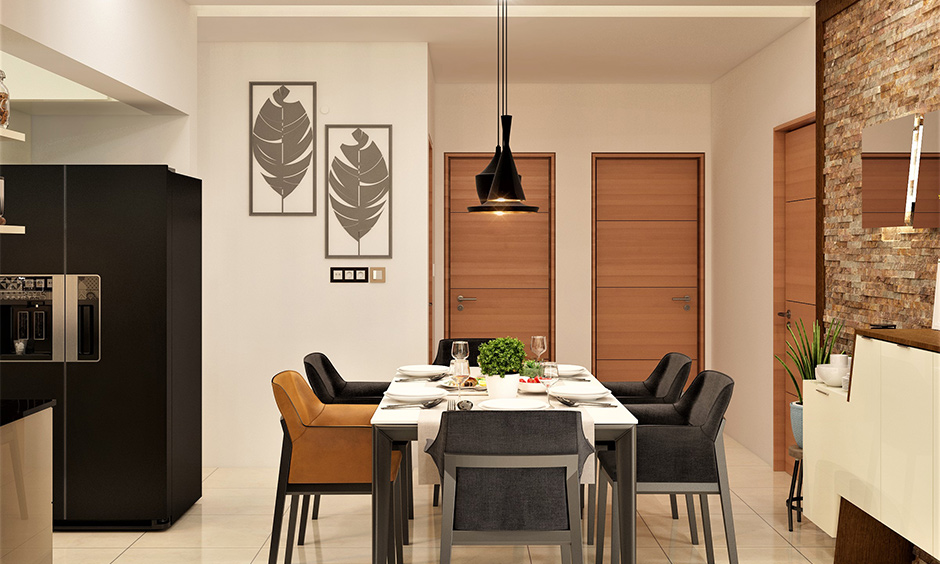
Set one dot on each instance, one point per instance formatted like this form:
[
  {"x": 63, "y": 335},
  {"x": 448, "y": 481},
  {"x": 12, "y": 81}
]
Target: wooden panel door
[
  {"x": 795, "y": 261},
  {"x": 648, "y": 257},
  {"x": 499, "y": 270}
]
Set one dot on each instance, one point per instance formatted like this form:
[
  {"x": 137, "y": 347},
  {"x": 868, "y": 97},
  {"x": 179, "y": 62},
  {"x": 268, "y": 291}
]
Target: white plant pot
[{"x": 505, "y": 387}]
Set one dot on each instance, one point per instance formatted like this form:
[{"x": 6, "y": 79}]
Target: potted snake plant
[{"x": 806, "y": 351}]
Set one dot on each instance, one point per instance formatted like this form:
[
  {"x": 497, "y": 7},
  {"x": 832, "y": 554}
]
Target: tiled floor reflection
[{"x": 231, "y": 524}]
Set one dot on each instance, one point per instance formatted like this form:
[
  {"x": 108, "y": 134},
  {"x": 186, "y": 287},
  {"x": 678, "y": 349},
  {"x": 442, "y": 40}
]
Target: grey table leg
[
  {"x": 626, "y": 480},
  {"x": 381, "y": 494}
]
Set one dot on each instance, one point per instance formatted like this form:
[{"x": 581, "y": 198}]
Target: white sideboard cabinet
[{"x": 878, "y": 446}]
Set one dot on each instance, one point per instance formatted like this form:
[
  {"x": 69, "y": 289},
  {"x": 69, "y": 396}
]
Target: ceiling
[{"x": 550, "y": 41}]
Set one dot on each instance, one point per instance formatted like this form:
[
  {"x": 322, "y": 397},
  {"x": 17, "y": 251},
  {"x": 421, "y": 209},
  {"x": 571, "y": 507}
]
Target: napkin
[{"x": 429, "y": 423}]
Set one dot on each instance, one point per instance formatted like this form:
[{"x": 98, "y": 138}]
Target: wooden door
[
  {"x": 648, "y": 262},
  {"x": 795, "y": 255},
  {"x": 499, "y": 270}
]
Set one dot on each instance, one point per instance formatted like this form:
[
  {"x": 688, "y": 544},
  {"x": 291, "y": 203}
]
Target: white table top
[{"x": 603, "y": 416}]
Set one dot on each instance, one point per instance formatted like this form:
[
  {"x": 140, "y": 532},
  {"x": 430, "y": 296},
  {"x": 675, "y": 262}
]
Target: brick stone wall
[{"x": 882, "y": 61}]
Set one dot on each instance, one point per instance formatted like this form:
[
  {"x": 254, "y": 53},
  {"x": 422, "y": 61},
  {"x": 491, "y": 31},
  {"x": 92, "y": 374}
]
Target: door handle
[
  {"x": 463, "y": 299},
  {"x": 784, "y": 314},
  {"x": 682, "y": 299}
]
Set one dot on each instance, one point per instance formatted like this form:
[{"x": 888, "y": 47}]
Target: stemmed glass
[
  {"x": 549, "y": 378},
  {"x": 460, "y": 350},
  {"x": 539, "y": 346}
]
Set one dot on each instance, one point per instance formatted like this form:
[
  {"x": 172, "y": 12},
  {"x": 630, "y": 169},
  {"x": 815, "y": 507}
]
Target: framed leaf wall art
[
  {"x": 358, "y": 191},
  {"x": 282, "y": 146}
]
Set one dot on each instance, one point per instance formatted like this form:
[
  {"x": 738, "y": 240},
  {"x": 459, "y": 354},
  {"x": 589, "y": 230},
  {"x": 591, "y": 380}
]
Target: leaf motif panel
[{"x": 358, "y": 191}]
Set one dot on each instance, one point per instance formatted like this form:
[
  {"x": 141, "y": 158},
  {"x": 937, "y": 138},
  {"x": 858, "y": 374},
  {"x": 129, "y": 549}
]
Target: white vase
[{"x": 505, "y": 387}]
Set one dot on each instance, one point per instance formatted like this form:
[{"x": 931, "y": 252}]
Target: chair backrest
[
  {"x": 531, "y": 496},
  {"x": 705, "y": 401},
  {"x": 323, "y": 377},
  {"x": 297, "y": 403},
  {"x": 669, "y": 377},
  {"x": 443, "y": 350}
]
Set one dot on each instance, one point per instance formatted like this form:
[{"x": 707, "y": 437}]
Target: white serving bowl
[{"x": 830, "y": 375}]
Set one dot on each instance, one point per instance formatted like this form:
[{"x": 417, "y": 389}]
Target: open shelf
[
  {"x": 10, "y": 134},
  {"x": 12, "y": 230}
]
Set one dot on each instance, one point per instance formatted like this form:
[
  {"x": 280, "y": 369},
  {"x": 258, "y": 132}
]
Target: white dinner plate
[
  {"x": 416, "y": 395},
  {"x": 570, "y": 369},
  {"x": 579, "y": 391},
  {"x": 451, "y": 384},
  {"x": 418, "y": 370},
  {"x": 513, "y": 404}
]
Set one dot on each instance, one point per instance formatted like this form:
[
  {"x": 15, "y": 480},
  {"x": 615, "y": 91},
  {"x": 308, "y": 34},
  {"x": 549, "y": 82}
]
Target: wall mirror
[{"x": 901, "y": 172}]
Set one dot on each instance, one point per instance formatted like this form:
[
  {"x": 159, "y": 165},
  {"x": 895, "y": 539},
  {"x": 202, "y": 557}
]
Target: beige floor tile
[
  {"x": 819, "y": 554},
  {"x": 750, "y": 531},
  {"x": 658, "y": 506},
  {"x": 211, "y": 531},
  {"x": 550, "y": 555},
  {"x": 235, "y": 501},
  {"x": 779, "y": 555},
  {"x": 470, "y": 555},
  {"x": 85, "y": 555},
  {"x": 756, "y": 477},
  {"x": 242, "y": 478},
  {"x": 765, "y": 501},
  {"x": 805, "y": 533},
  {"x": 187, "y": 556},
  {"x": 644, "y": 537},
  {"x": 352, "y": 531},
  {"x": 738, "y": 455},
  {"x": 94, "y": 540},
  {"x": 206, "y": 472},
  {"x": 321, "y": 555}
]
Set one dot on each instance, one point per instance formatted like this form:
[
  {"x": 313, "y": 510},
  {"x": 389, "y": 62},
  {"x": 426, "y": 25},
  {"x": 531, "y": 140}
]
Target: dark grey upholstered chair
[
  {"x": 664, "y": 384},
  {"x": 330, "y": 387},
  {"x": 679, "y": 449},
  {"x": 511, "y": 478},
  {"x": 443, "y": 350}
]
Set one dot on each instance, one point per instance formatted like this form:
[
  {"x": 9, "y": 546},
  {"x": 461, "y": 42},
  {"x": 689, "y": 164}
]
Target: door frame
[
  {"x": 551, "y": 243},
  {"x": 700, "y": 157},
  {"x": 780, "y": 325}
]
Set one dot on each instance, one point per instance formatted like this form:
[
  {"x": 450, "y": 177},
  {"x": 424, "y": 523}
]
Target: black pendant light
[{"x": 499, "y": 185}]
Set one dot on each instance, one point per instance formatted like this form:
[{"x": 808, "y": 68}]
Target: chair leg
[
  {"x": 279, "y": 500},
  {"x": 690, "y": 508},
  {"x": 291, "y": 527},
  {"x": 447, "y": 517},
  {"x": 574, "y": 548},
  {"x": 674, "y": 505},
  {"x": 707, "y": 529},
  {"x": 565, "y": 554},
  {"x": 796, "y": 466},
  {"x": 410, "y": 482},
  {"x": 615, "y": 525},
  {"x": 601, "y": 515},
  {"x": 725, "y": 492},
  {"x": 437, "y": 492},
  {"x": 401, "y": 491},
  {"x": 316, "y": 507},
  {"x": 305, "y": 508},
  {"x": 398, "y": 520},
  {"x": 592, "y": 509}
]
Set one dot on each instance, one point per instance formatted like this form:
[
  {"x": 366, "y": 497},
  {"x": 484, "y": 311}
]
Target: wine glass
[
  {"x": 460, "y": 350},
  {"x": 549, "y": 378},
  {"x": 539, "y": 346}
]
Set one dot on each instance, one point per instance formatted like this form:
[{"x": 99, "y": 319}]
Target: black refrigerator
[{"x": 100, "y": 309}]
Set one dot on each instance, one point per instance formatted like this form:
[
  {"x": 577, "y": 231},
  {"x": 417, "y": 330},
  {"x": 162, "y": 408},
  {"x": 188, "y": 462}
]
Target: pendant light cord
[{"x": 499, "y": 61}]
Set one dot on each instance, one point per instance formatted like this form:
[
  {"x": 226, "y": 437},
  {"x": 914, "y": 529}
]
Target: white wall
[
  {"x": 571, "y": 120},
  {"x": 267, "y": 297},
  {"x": 769, "y": 89}
]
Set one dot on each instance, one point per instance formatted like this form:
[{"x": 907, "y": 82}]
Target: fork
[
  {"x": 572, "y": 403},
  {"x": 451, "y": 405},
  {"x": 423, "y": 405}
]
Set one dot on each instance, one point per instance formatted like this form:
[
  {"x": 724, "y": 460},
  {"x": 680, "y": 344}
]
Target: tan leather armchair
[{"x": 327, "y": 449}]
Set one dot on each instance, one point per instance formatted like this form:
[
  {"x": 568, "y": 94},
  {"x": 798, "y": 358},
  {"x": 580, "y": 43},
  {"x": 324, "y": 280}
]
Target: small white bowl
[
  {"x": 531, "y": 387},
  {"x": 830, "y": 375}
]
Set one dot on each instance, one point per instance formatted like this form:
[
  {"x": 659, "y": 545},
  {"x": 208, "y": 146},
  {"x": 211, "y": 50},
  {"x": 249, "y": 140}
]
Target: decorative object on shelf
[
  {"x": 359, "y": 191},
  {"x": 282, "y": 168},
  {"x": 806, "y": 352},
  {"x": 499, "y": 185},
  {"x": 4, "y": 102}
]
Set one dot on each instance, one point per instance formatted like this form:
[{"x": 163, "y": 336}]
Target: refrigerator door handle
[
  {"x": 82, "y": 317},
  {"x": 71, "y": 317},
  {"x": 58, "y": 317}
]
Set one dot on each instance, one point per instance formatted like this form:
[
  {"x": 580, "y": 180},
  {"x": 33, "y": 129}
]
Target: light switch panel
[{"x": 377, "y": 274}]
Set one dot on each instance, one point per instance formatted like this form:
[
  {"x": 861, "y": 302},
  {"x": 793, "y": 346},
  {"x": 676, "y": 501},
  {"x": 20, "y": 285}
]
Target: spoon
[
  {"x": 422, "y": 405},
  {"x": 572, "y": 403}
]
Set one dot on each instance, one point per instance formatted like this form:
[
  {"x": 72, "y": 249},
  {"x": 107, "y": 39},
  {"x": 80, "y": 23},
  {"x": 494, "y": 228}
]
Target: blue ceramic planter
[{"x": 796, "y": 422}]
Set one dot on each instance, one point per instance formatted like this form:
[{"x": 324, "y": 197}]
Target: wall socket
[{"x": 349, "y": 274}]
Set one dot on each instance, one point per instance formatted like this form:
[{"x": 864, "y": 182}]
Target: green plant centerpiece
[
  {"x": 806, "y": 351},
  {"x": 530, "y": 369},
  {"x": 501, "y": 356}
]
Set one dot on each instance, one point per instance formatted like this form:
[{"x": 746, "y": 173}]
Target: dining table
[{"x": 611, "y": 425}]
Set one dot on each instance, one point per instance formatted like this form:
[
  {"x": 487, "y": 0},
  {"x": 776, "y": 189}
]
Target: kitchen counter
[{"x": 926, "y": 339}]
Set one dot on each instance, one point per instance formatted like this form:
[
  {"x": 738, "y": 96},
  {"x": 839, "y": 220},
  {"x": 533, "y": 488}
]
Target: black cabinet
[{"x": 127, "y": 241}]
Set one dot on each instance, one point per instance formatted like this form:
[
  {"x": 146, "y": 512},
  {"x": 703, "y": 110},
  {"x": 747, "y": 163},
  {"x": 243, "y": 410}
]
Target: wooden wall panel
[
  {"x": 647, "y": 253},
  {"x": 648, "y": 189}
]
